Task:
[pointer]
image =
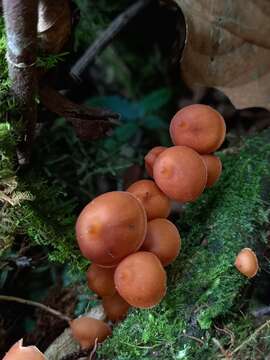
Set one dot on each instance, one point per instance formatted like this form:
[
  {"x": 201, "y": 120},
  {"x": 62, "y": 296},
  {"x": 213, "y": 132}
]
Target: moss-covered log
[{"x": 203, "y": 284}]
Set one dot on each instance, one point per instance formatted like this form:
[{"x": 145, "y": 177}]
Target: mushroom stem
[{"x": 36, "y": 304}]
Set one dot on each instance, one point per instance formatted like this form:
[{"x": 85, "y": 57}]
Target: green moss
[
  {"x": 49, "y": 221},
  {"x": 203, "y": 284}
]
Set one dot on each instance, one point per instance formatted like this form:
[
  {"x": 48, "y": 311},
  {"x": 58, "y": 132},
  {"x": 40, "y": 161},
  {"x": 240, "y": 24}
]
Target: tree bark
[{"x": 21, "y": 30}]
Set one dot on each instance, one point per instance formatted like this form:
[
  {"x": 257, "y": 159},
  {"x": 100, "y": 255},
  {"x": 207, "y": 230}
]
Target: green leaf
[
  {"x": 126, "y": 132},
  {"x": 156, "y": 100},
  {"x": 128, "y": 109},
  {"x": 153, "y": 122}
]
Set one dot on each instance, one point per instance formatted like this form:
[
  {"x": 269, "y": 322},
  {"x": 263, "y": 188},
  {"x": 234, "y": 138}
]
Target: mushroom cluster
[
  {"x": 126, "y": 234},
  {"x": 183, "y": 171}
]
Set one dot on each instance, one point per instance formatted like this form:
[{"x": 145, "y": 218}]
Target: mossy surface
[{"x": 203, "y": 284}]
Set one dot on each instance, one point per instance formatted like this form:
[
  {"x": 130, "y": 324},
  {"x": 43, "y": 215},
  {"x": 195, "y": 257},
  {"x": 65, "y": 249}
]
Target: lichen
[{"x": 203, "y": 284}]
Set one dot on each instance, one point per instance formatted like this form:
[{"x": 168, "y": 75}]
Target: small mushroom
[
  {"x": 150, "y": 158},
  {"x": 111, "y": 227},
  {"x": 180, "y": 173},
  {"x": 115, "y": 307},
  {"x": 87, "y": 330},
  {"x": 156, "y": 204},
  {"x": 163, "y": 240},
  {"x": 214, "y": 168},
  {"x": 20, "y": 352},
  {"x": 198, "y": 126},
  {"x": 100, "y": 280},
  {"x": 247, "y": 263},
  {"x": 141, "y": 280}
]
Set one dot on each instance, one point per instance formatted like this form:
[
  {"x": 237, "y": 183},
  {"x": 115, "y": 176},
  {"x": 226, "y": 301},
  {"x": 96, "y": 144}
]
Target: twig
[
  {"x": 224, "y": 352},
  {"x": 36, "y": 304},
  {"x": 251, "y": 337},
  {"x": 105, "y": 38},
  {"x": 91, "y": 356},
  {"x": 194, "y": 338},
  {"x": 89, "y": 123},
  {"x": 227, "y": 332},
  {"x": 21, "y": 30}
]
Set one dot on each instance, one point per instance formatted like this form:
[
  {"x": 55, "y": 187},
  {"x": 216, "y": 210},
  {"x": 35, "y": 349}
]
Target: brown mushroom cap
[
  {"x": 86, "y": 330},
  {"x": 101, "y": 280},
  {"x": 156, "y": 204},
  {"x": 111, "y": 227},
  {"x": 163, "y": 240},
  {"x": 150, "y": 158},
  {"x": 141, "y": 280},
  {"x": 214, "y": 169},
  {"x": 247, "y": 263},
  {"x": 198, "y": 126},
  {"x": 180, "y": 173},
  {"x": 20, "y": 352},
  {"x": 115, "y": 307}
]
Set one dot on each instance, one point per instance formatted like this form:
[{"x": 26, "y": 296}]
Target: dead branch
[
  {"x": 89, "y": 123},
  {"x": 36, "y": 304},
  {"x": 105, "y": 38}
]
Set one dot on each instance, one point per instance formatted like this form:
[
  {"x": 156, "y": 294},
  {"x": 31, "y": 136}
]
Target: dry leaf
[
  {"x": 54, "y": 24},
  {"x": 228, "y": 47}
]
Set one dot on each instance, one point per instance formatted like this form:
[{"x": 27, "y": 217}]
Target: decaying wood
[
  {"x": 105, "y": 38},
  {"x": 228, "y": 47},
  {"x": 21, "y": 56},
  {"x": 65, "y": 344},
  {"x": 89, "y": 123}
]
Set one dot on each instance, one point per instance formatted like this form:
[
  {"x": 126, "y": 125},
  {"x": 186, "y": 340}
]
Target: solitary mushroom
[
  {"x": 247, "y": 263},
  {"x": 115, "y": 307},
  {"x": 88, "y": 330},
  {"x": 198, "y": 126},
  {"x": 141, "y": 280},
  {"x": 180, "y": 173},
  {"x": 155, "y": 202},
  {"x": 150, "y": 158},
  {"x": 100, "y": 280},
  {"x": 214, "y": 168},
  {"x": 111, "y": 227},
  {"x": 20, "y": 352},
  {"x": 163, "y": 240}
]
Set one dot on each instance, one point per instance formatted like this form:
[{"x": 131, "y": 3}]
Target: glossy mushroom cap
[
  {"x": 150, "y": 158},
  {"x": 86, "y": 330},
  {"x": 115, "y": 307},
  {"x": 180, "y": 173},
  {"x": 247, "y": 263},
  {"x": 198, "y": 126},
  {"x": 141, "y": 280},
  {"x": 111, "y": 227},
  {"x": 20, "y": 352},
  {"x": 156, "y": 204},
  {"x": 214, "y": 169},
  {"x": 163, "y": 240},
  {"x": 100, "y": 280}
]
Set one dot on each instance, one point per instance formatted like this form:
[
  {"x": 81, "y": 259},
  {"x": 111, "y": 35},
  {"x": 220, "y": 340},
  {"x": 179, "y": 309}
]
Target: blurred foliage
[
  {"x": 95, "y": 16},
  {"x": 203, "y": 284},
  {"x": 136, "y": 62},
  {"x": 86, "y": 169}
]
